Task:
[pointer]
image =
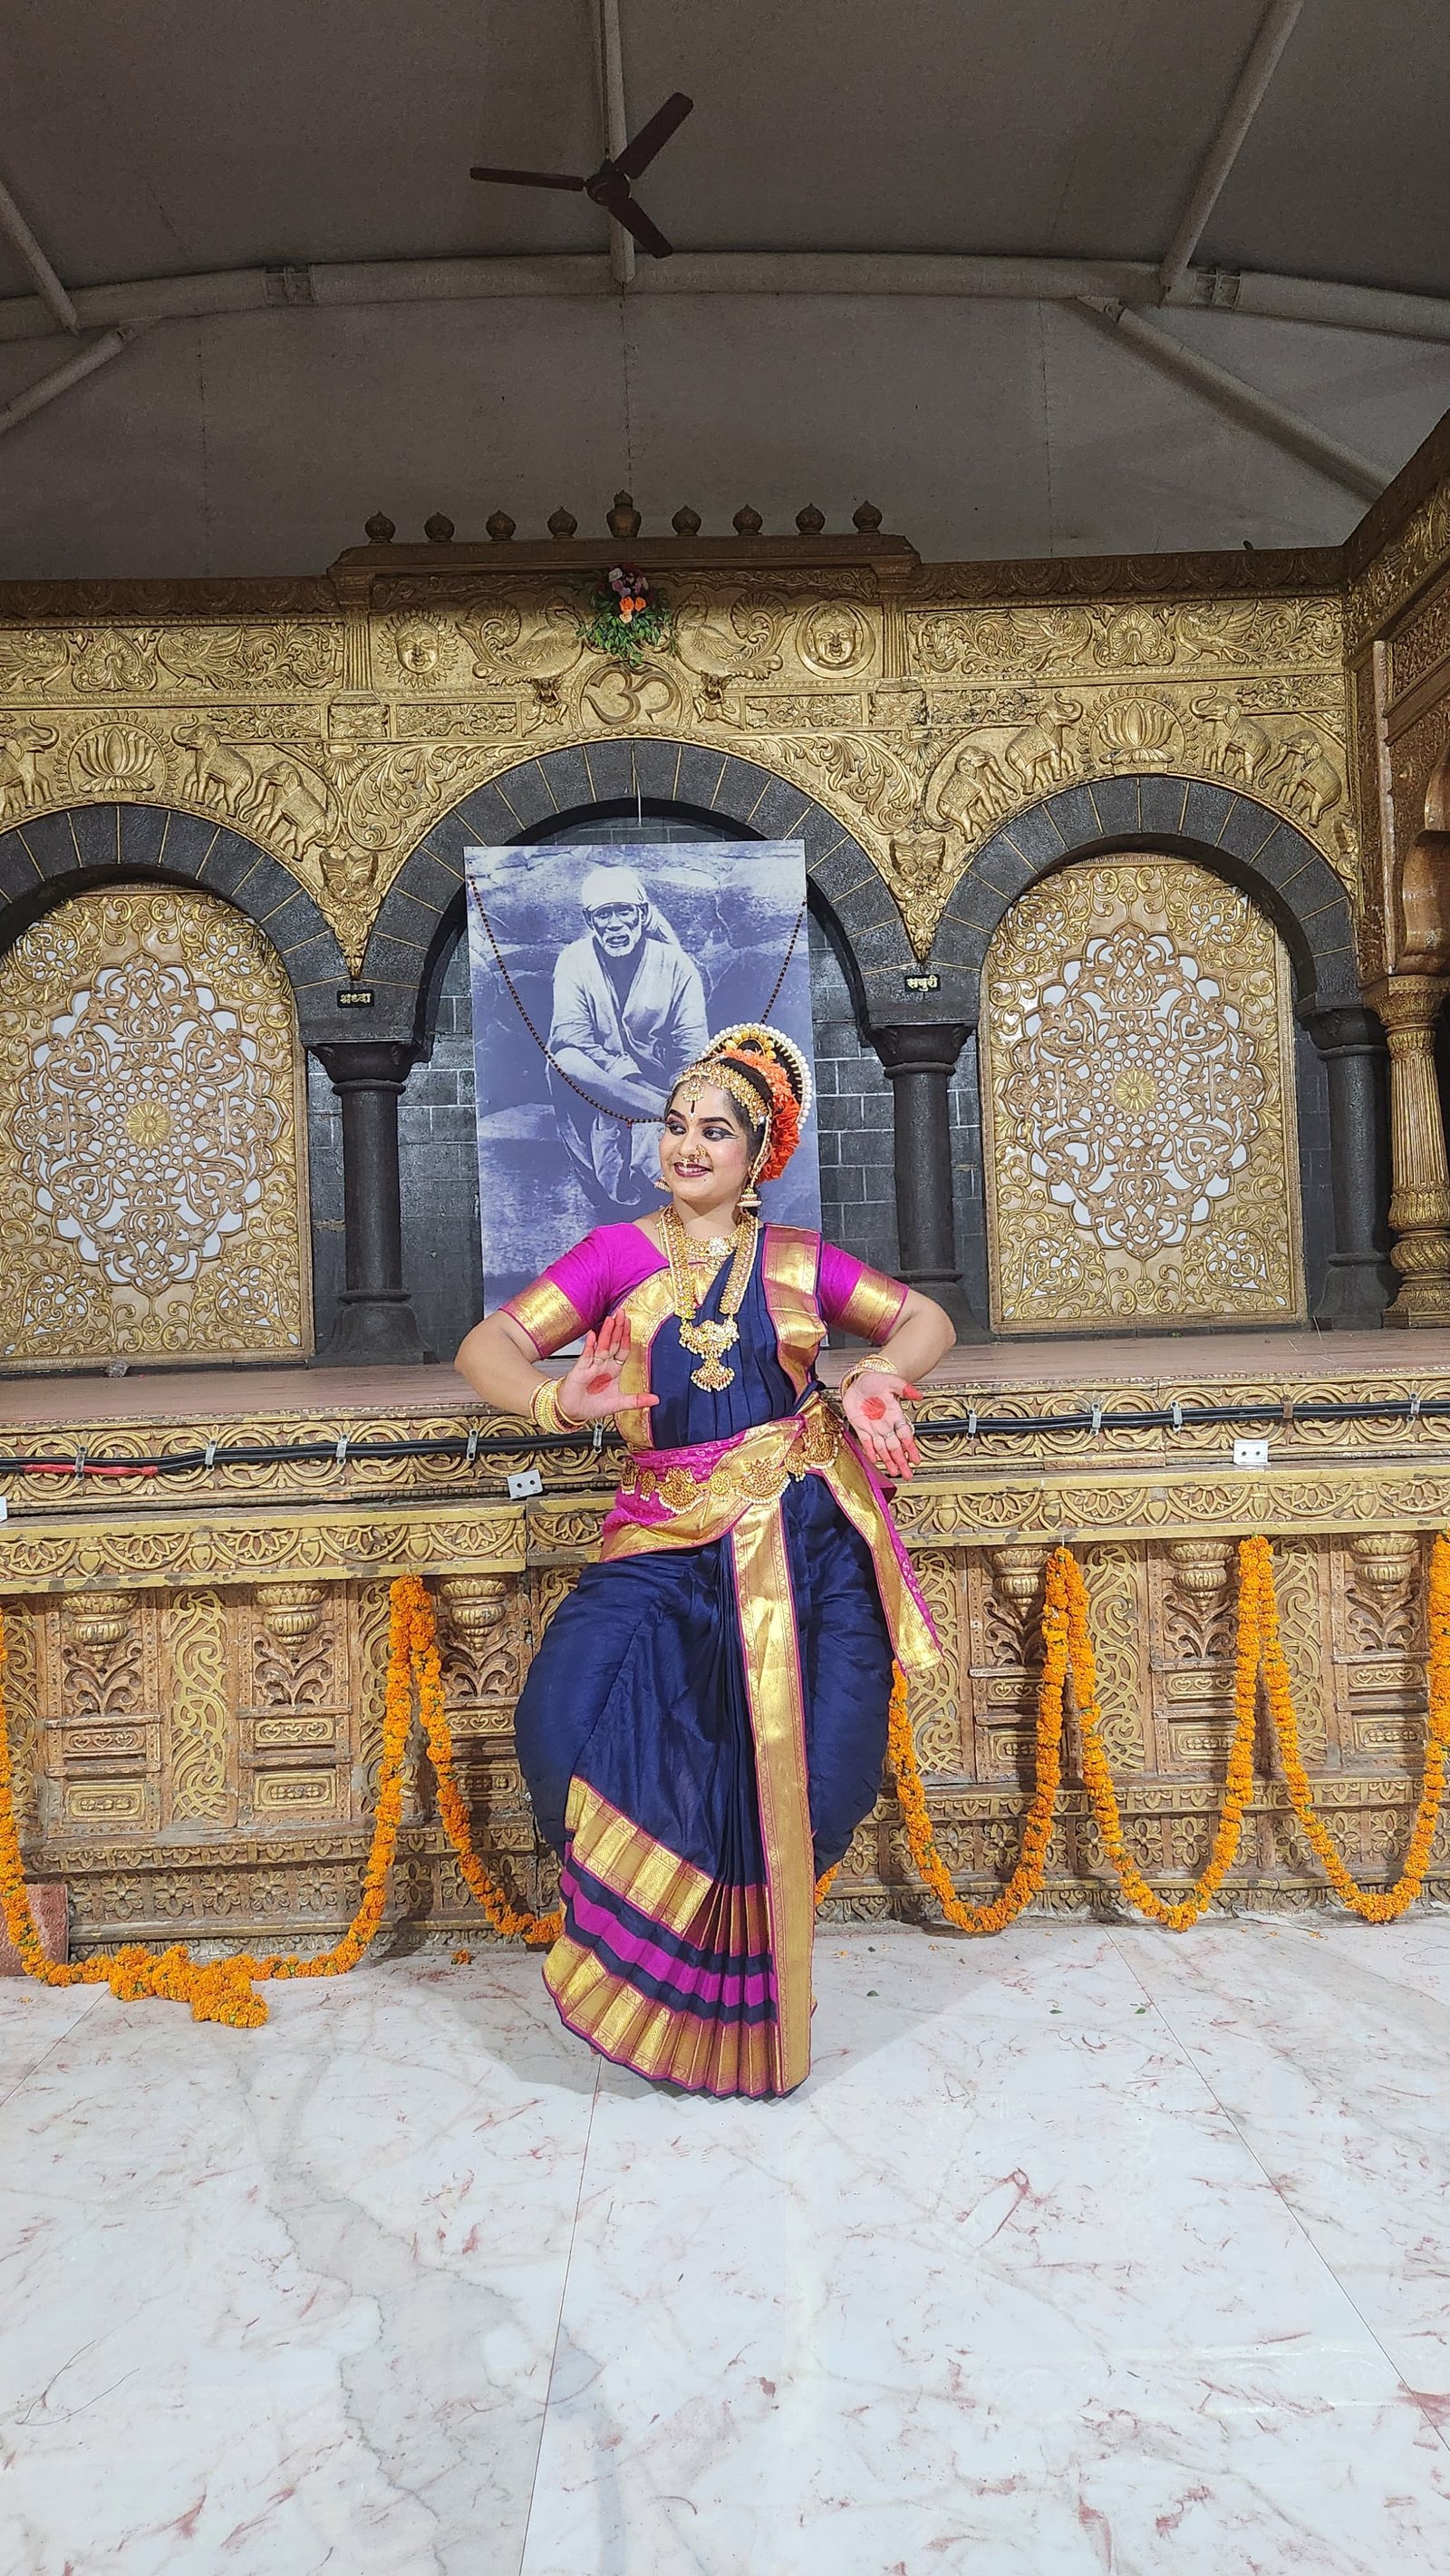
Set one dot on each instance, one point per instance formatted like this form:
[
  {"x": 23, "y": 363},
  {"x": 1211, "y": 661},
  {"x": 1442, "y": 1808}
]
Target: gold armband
[{"x": 546, "y": 1412}]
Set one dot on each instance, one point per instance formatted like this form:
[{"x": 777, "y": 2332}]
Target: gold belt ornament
[{"x": 757, "y": 1469}]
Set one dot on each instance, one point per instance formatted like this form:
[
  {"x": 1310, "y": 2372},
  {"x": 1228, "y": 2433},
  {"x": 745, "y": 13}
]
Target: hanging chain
[{"x": 517, "y": 999}]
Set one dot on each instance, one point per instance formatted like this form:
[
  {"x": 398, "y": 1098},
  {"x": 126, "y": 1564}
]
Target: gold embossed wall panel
[
  {"x": 198, "y": 1759},
  {"x": 152, "y": 1146},
  {"x": 1138, "y": 1105}
]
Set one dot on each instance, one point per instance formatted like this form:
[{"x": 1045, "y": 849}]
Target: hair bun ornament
[
  {"x": 771, "y": 1055},
  {"x": 761, "y": 1045}
]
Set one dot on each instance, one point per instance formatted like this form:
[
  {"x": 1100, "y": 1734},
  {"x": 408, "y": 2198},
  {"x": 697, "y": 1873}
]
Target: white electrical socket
[
  {"x": 528, "y": 1481},
  {"x": 1251, "y": 1453}
]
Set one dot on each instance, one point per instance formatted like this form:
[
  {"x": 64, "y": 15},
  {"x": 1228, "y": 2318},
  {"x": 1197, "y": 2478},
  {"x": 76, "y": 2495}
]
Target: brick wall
[{"x": 858, "y": 1189}]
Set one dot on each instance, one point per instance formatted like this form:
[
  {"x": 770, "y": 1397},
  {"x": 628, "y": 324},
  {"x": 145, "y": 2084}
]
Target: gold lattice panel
[
  {"x": 1138, "y": 1105},
  {"x": 152, "y": 1145}
]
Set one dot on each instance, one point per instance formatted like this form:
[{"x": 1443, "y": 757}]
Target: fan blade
[
  {"x": 636, "y": 221},
  {"x": 651, "y": 138},
  {"x": 529, "y": 178}
]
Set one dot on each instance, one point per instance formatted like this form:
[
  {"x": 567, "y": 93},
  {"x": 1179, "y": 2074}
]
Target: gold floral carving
[
  {"x": 1115, "y": 1579},
  {"x": 1391, "y": 579},
  {"x": 937, "y": 1711},
  {"x": 23, "y": 1710},
  {"x": 920, "y": 719},
  {"x": 199, "y": 1703},
  {"x": 1422, "y": 644},
  {"x": 1138, "y": 1104},
  {"x": 288, "y": 1724},
  {"x": 152, "y": 1149},
  {"x": 1062, "y": 639}
]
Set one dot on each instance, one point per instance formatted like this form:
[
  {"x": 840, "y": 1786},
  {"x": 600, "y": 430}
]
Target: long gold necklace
[{"x": 710, "y": 1340}]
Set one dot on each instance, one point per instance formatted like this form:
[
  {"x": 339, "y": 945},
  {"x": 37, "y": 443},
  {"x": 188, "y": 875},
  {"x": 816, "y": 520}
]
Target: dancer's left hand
[{"x": 872, "y": 1406}]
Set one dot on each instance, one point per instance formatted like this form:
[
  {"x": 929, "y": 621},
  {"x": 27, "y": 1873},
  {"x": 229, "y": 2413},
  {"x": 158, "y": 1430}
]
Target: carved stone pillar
[
  {"x": 1409, "y": 1006},
  {"x": 919, "y": 1064},
  {"x": 375, "y": 1318},
  {"x": 1360, "y": 1280}
]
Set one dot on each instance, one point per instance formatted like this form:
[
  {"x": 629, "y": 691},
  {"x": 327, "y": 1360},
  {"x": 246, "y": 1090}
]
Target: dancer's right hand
[{"x": 591, "y": 1391}]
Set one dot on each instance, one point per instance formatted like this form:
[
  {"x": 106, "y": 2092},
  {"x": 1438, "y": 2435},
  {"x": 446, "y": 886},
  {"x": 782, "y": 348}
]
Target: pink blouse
[{"x": 576, "y": 1292}]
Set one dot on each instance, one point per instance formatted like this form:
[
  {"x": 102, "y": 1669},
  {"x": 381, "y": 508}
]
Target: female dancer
[{"x": 704, "y": 1723}]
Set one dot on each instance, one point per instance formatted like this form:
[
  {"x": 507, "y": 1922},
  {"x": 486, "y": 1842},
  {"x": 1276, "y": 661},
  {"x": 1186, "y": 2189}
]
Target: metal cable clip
[
  {"x": 471, "y": 1449},
  {"x": 971, "y": 1422},
  {"x": 341, "y": 1453},
  {"x": 1416, "y": 1401},
  {"x": 208, "y": 1455},
  {"x": 1097, "y": 1420},
  {"x": 597, "y": 1442}
]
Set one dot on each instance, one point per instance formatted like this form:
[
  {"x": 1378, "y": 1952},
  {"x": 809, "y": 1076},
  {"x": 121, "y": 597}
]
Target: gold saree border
[
  {"x": 765, "y": 1606},
  {"x": 633, "y": 1866},
  {"x": 790, "y": 1264},
  {"x": 657, "y": 2040},
  {"x": 756, "y": 1470},
  {"x": 913, "y": 1644},
  {"x": 660, "y": 2040},
  {"x": 646, "y": 1308}
]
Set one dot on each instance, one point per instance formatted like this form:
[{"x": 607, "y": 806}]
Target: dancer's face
[{"x": 704, "y": 1151}]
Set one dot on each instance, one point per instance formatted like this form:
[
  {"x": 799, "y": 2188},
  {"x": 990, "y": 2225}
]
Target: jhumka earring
[{"x": 750, "y": 1198}]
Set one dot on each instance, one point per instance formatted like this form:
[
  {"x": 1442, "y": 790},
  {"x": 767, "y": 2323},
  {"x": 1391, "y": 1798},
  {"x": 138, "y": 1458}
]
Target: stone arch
[
  {"x": 1219, "y": 827},
  {"x": 52, "y": 856},
  {"x": 419, "y": 917}
]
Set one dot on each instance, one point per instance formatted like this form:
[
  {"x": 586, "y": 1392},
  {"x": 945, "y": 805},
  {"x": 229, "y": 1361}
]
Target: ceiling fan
[{"x": 609, "y": 185}]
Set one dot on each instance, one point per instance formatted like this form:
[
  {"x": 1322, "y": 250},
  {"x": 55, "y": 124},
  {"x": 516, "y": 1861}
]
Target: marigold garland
[
  {"x": 1259, "y": 1648},
  {"x": 1383, "y": 1904},
  {"x": 1026, "y": 1879},
  {"x": 537, "y": 1929},
  {"x": 1175, "y": 1913},
  {"x": 223, "y": 1990}
]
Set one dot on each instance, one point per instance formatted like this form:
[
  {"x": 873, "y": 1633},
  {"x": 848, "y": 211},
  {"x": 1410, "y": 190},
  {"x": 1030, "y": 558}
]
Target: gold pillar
[{"x": 1409, "y": 1006}]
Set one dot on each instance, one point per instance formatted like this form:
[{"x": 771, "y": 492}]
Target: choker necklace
[
  {"x": 709, "y": 1254},
  {"x": 709, "y": 1341}
]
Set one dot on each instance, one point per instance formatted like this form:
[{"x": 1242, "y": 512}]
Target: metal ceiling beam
[
  {"x": 13, "y": 222},
  {"x": 949, "y": 275},
  {"x": 48, "y": 389},
  {"x": 1243, "y": 402},
  {"x": 616, "y": 132},
  {"x": 1274, "y": 33}
]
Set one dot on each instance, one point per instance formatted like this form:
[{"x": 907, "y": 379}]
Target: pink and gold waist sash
[{"x": 678, "y": 1498}]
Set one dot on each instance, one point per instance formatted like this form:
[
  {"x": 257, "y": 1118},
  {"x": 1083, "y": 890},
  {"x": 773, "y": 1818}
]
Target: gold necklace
[
  {"x": 710, "y": 1254},
  {"x": 709, "y": 1341}
]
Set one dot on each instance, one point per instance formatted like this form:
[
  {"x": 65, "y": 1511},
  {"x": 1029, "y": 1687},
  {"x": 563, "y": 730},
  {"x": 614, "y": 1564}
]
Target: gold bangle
[
  {"x": 545, "y": 1410},
  {"x": 865, "y": 1368}
]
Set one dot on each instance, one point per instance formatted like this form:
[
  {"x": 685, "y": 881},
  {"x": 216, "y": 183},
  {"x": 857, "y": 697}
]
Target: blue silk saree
[{"x": 704, "y": 1724}]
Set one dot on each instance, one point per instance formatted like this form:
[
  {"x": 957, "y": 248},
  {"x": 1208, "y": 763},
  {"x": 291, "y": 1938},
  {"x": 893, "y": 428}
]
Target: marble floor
[{"x": 1084, "y": 2250}]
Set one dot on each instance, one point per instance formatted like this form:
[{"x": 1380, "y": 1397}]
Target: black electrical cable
[{"x": 969, "y": 1425}]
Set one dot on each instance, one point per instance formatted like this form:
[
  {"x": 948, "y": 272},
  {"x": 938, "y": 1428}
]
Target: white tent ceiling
[{"x": 158, "y": 148}]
